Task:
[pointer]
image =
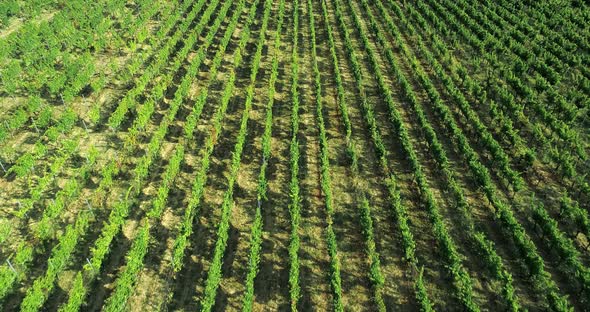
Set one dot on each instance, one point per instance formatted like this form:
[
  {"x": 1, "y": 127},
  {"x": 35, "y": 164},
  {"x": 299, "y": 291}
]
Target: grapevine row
[
  {"x": 576, "y": 178},
  {"x": 462, "y": 279},
  {"x": 503, "y": 212},
  {"x": 36, "y": 297},
  {"x": 262, "y": 187},
  {"x": 129, "y": 101},
  {"x": 294, "y": 187},
  {"x": 557, "y": 126},
  {"x": 366, "y": 220},
  {"x": 214, "y": 272},
  {"x": 121, "y": 210},
  {"x": 81, "y": 70},
  {"x": 192, "y": 210},
  {"x": 528, "y": 156},
  {"x": 399, "y": 211},
  {"x": 108, "y": 172},
  {"x": 494, "y": 262},
  {"x": 325, "y": 180}
]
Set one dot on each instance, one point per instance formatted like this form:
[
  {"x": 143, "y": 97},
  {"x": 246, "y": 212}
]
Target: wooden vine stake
[{"x": 11, "y": 267}]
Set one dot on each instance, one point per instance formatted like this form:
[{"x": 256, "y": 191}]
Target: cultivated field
[{"x": 306, "y": 155}]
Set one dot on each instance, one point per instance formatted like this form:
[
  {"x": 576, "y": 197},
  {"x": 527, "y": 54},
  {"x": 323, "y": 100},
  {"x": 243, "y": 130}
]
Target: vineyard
[{"x": 305, "y": 155}]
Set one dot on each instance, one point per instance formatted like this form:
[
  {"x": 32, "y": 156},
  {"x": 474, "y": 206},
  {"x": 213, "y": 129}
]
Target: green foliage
[
  {"x": 256, "y": 240},
  {"x": 60, "y": 257},
  {"x": 294, "y": 188},
  {"x": 326, "y": 184},
  {"x": 394, "y": 198},
  {"x": 449, "y": 250},
  {"x": 193, "y": 208},
  {"x": 20, "y": 261},
  {"x": 135, "y": 258}
]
